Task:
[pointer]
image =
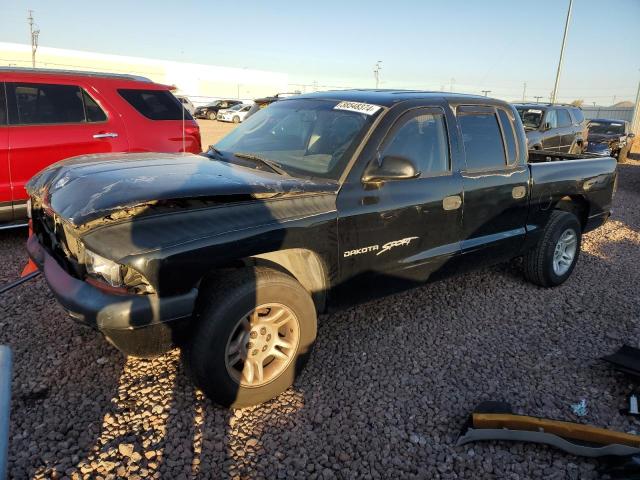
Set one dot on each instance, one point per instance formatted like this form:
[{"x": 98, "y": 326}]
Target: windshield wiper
[
  {"x": 214, "y": 153},
  {"x": 276, "y": 167}
]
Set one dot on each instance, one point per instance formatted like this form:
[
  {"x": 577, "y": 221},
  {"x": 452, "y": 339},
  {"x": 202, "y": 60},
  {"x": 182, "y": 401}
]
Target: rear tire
[
  {"x": 553, "y": 259},
  {"x": 241, "y": 320},
  {"x": 212, "y": 115}
]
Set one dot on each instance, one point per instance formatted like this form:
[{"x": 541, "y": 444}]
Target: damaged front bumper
[{"x": 139, "y": 325}]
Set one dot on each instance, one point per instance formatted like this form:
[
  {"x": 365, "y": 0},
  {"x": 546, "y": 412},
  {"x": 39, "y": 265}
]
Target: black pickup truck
[{"x": 316, "y": 202}]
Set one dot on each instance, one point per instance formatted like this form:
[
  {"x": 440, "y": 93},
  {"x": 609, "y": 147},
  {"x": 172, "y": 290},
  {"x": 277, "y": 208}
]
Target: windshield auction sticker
[{"x": 365, "y": 108}]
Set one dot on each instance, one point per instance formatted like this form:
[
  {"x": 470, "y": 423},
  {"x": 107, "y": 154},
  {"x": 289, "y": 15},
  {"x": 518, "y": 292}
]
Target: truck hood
[{"x": 90, "y": 187}]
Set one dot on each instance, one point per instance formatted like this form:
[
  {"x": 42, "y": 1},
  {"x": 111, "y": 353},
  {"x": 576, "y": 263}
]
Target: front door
[
  {"x": 6, "y": 199},
  {"x": 404, "y": 229},
  {"x": 51, "y": 122}
]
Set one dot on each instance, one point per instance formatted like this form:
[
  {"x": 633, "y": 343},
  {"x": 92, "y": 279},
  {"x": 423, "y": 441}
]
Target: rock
[{"x": 125, "y": 449}]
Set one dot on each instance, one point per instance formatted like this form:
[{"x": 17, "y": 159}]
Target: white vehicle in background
[
  {"x": 234, "y": 114},
  {"x": 186, "y": 103}
]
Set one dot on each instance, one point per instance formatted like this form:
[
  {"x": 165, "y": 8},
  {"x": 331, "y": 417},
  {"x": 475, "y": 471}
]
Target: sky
[{"x": 466, "y": 46}]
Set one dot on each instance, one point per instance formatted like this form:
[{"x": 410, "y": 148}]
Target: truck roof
[{"x": 388, "y": 98}]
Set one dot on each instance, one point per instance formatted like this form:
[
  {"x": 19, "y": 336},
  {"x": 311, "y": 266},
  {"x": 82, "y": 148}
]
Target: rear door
[
  {"x": 551, "y": 136},
  {"x": 567, "y": 130},
  {"x": 49, "y": 122},
  {"x": 496, "y": 185},
  {"x": 6, "y": 199},
  {"x": 158, "y": 122}
]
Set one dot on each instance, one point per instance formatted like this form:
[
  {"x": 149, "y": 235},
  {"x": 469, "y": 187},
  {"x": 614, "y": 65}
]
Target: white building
[{"x": 201, "y": 83}]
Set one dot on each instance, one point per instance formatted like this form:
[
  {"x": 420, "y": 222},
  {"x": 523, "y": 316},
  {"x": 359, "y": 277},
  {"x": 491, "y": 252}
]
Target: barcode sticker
[{"x": 366, "y": 108}]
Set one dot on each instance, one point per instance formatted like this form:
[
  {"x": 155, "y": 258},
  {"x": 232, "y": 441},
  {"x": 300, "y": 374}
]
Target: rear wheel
[
  {"x": 254, "y": 334},
  {"x": 212, "y": 115},
  {"x": 553, "y": 259}
]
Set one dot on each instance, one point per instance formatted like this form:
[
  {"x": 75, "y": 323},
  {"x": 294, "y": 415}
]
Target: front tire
[
  {"x": 255, "y": 331},
  {"x": 236, "y": 119},
  {"x": 553, "y": 259}
]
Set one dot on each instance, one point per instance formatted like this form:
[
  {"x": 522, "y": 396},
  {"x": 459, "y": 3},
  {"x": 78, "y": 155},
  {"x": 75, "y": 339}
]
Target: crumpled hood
[{"x": 89, "y": 187}]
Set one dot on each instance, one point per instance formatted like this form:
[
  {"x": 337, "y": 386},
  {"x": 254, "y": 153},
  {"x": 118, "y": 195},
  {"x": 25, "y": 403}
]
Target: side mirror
[
  {"x": 391, "y": 167},
  {"x": 547, "y": 126}
]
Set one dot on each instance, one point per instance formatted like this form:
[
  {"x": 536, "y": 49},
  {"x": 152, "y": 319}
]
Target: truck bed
[{"x": 541, "y": 156}]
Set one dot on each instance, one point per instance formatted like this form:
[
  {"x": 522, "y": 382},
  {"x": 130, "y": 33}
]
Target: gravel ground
[{"x": 384, "y": 395}]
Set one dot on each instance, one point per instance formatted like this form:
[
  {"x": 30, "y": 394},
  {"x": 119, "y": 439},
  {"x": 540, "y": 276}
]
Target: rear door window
[
  {"x": 578, "y": 115},
  {"x": 93, "y": 111},
  {"x": 421, "y": 138},
  {"x": 34, "y": 103},
  {"x": 482, "y": 139},
  {"x": 155, "y": 104},
  {"x": 509, "y": 136},
  {"x": 564, "y": 119},
  {"x": 551, "y": 120}
]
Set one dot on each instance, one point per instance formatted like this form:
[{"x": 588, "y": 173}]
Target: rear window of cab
[{"x": 155, "y": 104}]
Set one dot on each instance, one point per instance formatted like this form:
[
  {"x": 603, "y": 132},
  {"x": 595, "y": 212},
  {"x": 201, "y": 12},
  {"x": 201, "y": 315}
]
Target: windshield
[
  {"x": 606, "y": 128},
  {"x": 531, "y": 117},
  {"x": 304, "y": 137},
  {"x": 236, "y": 107}
]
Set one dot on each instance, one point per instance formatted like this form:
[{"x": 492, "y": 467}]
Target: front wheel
[
  {"x": 254, "y": 334},
  {"x": 553, "y": 259},
  {"x": 236, "y": 119}
]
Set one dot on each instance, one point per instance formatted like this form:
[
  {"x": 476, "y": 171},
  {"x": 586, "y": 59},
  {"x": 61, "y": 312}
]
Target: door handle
[
  {"x": 452, "y": 203},
  {"x": 106, "y": 135}
]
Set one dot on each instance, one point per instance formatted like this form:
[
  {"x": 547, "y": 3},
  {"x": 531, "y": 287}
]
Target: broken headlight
[
  {"x": 102, "y": 268},
  {"x": 115, "y": 274}
]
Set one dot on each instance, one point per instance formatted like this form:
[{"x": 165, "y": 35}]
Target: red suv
[{"x": 49, "y": 115}]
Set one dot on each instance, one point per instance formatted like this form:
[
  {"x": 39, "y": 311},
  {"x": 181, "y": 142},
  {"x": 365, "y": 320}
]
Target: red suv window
[
  {"x": 155, "y": 104},
  {"x": 42, "y": 103}
]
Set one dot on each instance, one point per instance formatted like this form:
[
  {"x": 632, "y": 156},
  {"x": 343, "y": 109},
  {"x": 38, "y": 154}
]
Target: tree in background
[{"x": 578, "y": 103}]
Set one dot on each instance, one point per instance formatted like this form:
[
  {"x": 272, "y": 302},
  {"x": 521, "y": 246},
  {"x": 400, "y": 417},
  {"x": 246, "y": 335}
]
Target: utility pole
[
  {"x": 34, "y": 38},
  {"x": 538, "y": 97},
  {"x": 564, "y": 41},
  {"x": 485, "y": 92},
  {"x": 635, "y": 120},
  {"x": 524, "y": 91},
  {"x": 451, "y": 82},
  {"x": 376, "y": 72}
]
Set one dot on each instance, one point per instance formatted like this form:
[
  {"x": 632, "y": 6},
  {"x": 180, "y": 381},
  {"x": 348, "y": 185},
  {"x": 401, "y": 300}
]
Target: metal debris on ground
[{"x": 580, "y": 409}]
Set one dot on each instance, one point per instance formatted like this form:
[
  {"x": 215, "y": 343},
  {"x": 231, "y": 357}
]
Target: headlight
[{"x": 107, "y": 270}]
